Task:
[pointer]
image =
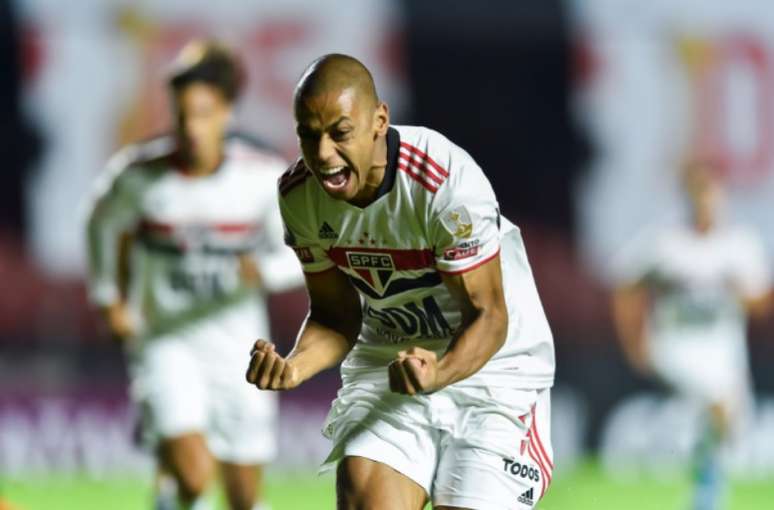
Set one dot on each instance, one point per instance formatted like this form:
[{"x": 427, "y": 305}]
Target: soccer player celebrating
[
  {"x": 189, "y": 289},
  {"x": 424, "y": 291},
  {"x": 680, "y": 310}
]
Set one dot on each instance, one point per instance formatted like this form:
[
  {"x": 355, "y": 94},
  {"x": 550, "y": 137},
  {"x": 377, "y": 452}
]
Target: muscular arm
[
  {"x": 629, "y": 309},
  {"x": 116, "y": 313},
  {"x": 112, "y": 217},
  {"x": 485, "y": 321},
  {"x": 485, "y": 324},
  {"x": 327, "y": 335},
  {"x": 332, "y": 326}
]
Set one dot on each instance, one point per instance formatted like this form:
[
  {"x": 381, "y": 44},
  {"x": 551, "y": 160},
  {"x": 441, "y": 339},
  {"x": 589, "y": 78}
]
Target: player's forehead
[
  {"x": 327, "y": 108},
  {"x": 198, "y": 93}
]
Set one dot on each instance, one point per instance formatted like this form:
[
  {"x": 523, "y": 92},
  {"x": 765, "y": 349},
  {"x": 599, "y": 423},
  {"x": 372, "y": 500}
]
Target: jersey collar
[{"x": 393, "y": 147}]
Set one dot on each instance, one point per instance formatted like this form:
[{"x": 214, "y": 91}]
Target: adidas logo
[
  {"x": 528, "y": 498},
  {"x": 327, "y": 232}
]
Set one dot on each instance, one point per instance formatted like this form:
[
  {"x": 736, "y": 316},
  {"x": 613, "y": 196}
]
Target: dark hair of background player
[{"x": 211, "y": 63}]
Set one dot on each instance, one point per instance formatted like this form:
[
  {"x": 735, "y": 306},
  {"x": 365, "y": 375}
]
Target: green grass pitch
[{"x": 584, "y": 488}]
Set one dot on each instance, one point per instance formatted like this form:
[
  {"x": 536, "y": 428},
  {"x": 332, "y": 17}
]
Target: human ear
[{"x": 381, "y": 119}]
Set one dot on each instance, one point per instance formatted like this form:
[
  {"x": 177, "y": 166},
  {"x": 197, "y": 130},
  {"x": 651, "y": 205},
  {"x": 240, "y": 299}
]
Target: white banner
[
  {"x": 97, "y": 81},
  {"x": 662, "y": 80}
]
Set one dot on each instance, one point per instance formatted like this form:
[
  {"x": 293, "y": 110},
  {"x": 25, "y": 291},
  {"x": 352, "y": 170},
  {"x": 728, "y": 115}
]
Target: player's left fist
[{"x": 414, "y": 371}]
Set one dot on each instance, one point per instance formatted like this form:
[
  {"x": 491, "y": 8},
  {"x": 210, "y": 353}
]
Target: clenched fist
[
  {"x": 270, "y": 371},
  {"x": 119, "y": 320},
  {"x": 415, "y": 371}
]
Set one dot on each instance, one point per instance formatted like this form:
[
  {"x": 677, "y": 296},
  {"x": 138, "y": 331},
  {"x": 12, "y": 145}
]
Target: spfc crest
[{"x": 375, "y": 269}]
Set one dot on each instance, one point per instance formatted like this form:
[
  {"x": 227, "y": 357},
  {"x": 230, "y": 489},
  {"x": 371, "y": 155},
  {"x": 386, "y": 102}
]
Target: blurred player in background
[
  {"x": 680, "y": 310},
  {"x": 185, "y": 240},
  {"x": 425, "y": 292}
]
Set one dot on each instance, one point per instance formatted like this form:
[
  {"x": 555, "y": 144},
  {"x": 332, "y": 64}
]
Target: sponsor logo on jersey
[
  {"x": 458, "y": 222},
  {"x": 462, "y": 251},
  {"x": 415, "y": 319},
  {"x": 528, "y": 497},
  {"x": 521, "y": 470},
  {"x": 327, "y": 232},
  {"x": 376, "y": 269},
  {"x": 304, "y": 254}
]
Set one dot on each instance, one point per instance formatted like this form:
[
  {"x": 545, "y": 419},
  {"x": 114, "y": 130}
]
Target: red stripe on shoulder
[
  {"x": 293, "y": 176},
  {"x": 425, "y": 158},
  {"x": 413, "y": 174}
]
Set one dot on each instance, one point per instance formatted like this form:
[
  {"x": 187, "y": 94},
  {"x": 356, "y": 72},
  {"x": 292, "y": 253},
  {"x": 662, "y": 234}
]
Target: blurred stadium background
[{"x": 579, "y": 112}]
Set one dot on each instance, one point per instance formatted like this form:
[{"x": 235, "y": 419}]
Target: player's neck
[
  {"x": 205, "y": 162},
  {"x": 375, "y": 176},
  {"x": 703, "y": 226}
]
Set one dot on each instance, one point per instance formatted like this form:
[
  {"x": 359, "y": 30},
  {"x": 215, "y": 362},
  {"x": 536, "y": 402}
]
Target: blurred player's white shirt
[
  {"x": 697, "y": 323},
  {"x": 435, "y": 213},
  {"x": 189, "y": 234},
  {"x": 698, "y": 281}
]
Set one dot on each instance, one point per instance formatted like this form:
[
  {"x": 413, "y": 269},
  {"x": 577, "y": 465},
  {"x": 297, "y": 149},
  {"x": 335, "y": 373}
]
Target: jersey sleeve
[
  {"x": 113, "y": 211},
  {"x": 276, "y": 262},
  {"x": 301, "y": 239},
  {"x": 464, "y": 221},
  {"x": 636, "y": 261},
  {"x": 752, "y": 270}
]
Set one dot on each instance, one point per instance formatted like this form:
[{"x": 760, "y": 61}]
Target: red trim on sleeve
[{"x": 471, "y": 268}]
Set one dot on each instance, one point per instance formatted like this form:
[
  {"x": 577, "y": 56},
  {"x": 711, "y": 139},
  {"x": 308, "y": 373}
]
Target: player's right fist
[{"x": 270, "y": 371}]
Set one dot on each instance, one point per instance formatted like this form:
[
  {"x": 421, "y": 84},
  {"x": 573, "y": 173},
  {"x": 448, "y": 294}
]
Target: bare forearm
[
  {"x": 317, "y": 348},
  {"x": 474, "y": 347},
  {"x": 629, "y": 314}
]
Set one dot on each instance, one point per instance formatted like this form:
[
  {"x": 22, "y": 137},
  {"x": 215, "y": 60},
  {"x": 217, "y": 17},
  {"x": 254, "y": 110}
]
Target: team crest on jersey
[
  {"x": 458, "y": 222},
  {"x": 376, "y": 269}
]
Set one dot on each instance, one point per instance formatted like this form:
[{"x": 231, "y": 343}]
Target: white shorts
[
  {"x": 704, "y": 371},
  {"x": 478, "y": 448},
  {"x": 193, "y": 380}
]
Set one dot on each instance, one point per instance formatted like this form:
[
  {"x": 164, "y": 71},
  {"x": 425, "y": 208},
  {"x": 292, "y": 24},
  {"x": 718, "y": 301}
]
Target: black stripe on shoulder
[{"x": 293, "y": 176}]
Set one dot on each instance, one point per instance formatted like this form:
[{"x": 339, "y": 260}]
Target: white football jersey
[
  {"x": 697, "y": 281},
  {"x": 435, "y": 213},
  {"x": 188, "y": 232}
]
